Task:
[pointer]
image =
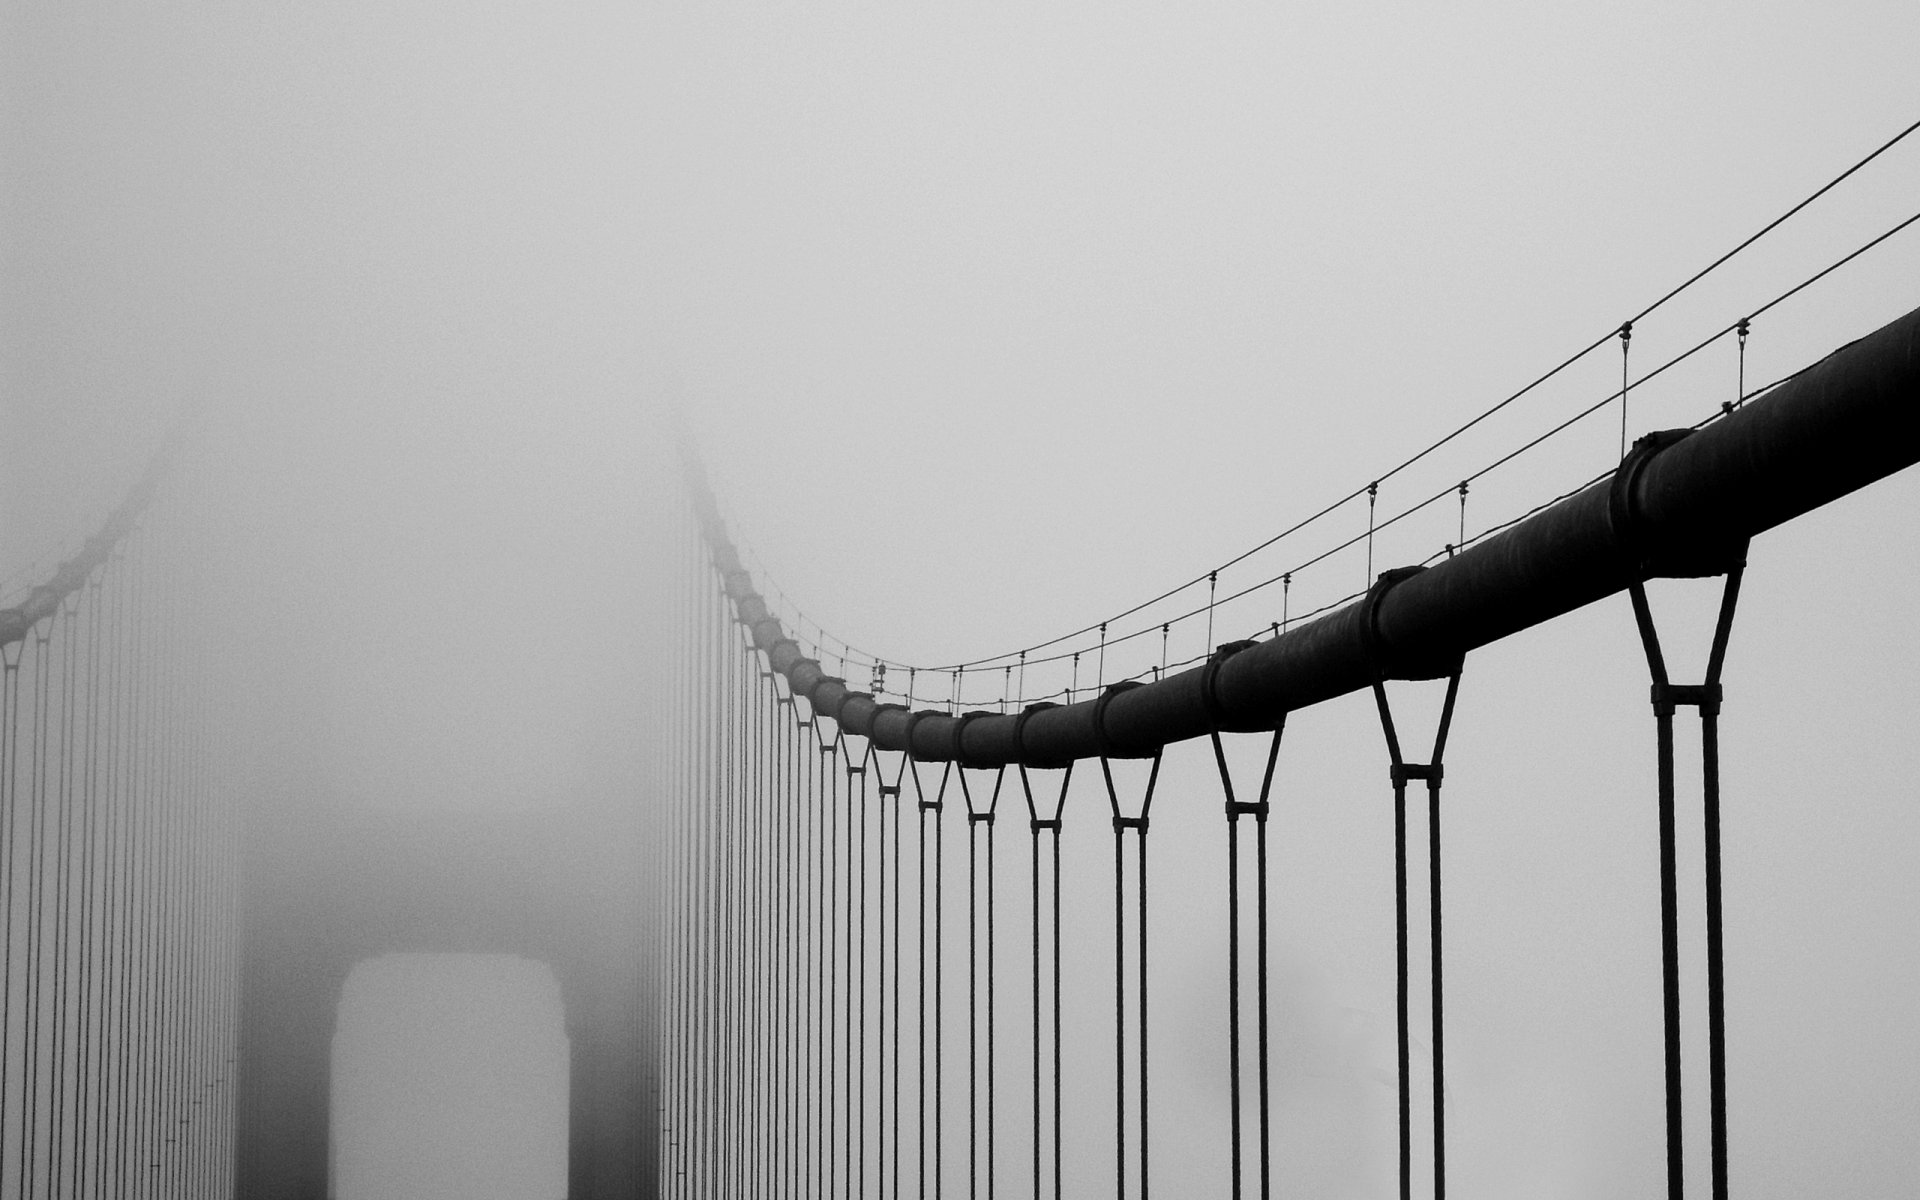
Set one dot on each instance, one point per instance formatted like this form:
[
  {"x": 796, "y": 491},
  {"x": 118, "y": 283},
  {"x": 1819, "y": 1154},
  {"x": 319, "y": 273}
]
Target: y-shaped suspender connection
[
  {"x": 1235, "y": 809},
  {"x": 978, "y": 817},
  {"x": 1646, "y": 562},
  {"x": 929, "y": 807},
  {"x": 1121, "y": 824},
  {"x": 1431, "y": 772}
]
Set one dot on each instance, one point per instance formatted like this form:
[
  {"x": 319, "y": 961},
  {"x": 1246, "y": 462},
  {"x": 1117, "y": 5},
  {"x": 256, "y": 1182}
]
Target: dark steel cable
[
  {"x": 920, "y": 979},
  {"x": 1034, "y": 946},
  {"x": 87, "y": 1041},
  {"x": 63, "y": 896},
  {"x": 10, "y": 656},
  {"x": 1146, "y": 1177},
  {"x": 1233, "y": 990},
  {"x": 1666, "y": 696},
  {"x": 1439, "y": 1044},
  {"x": 895, "y": 859},
  {"x": 1401, "y": 773},
  {"x": 840, "y": 1135},
  {"x": 1479, "y": 418},
  {"x": 858, "y": 994},
  {"x": 36, "y": 896},
  {"x": 973, "y": 1010},
  {"x": 1400, "y": 978},
  {"x": 1056, "y": 1013},
  {"x": 1552, "y": 432},
  {"x": 880, "y": 1007}
]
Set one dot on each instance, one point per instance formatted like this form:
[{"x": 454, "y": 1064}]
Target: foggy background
[{"x": 991, "y": 321}]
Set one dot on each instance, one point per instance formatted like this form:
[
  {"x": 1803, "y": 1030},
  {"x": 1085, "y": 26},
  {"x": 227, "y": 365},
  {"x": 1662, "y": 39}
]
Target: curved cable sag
[{"x": 855, "y": 656}]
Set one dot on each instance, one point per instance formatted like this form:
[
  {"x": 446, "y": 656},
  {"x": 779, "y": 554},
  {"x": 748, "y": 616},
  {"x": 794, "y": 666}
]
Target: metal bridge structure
[
  {"x": 842, "y": 958},
  {"x": 839, "y": 987}
]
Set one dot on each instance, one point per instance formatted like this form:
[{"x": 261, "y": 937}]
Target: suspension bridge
[{"x": 849, "y": 959}]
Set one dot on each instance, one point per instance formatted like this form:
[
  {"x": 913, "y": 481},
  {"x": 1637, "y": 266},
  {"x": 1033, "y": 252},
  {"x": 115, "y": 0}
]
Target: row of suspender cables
[
  {"x": 787, "y": 993},
  {"x": 119, "y": 893}
]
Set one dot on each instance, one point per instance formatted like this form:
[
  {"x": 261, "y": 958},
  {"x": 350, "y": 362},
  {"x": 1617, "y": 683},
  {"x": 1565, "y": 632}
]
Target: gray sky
[{"x": 992, "y": 321}]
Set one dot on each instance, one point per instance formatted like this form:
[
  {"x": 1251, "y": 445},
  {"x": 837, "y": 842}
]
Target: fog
[{"x": 990, "y": 322}]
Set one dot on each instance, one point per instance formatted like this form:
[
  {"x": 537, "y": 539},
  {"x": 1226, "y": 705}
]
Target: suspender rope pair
[
  {"x": 930, "y": 807},
  {"x": 1236, "y": 809},
  {"x": 853, "y": 756},
  {"x": 1046, "y": 824},
  {"x": 978, "y": 817},
  {"x": 1120, "y": 826},
  {"x": 1388, "y": 666},
  {"x": 892, "y": 766},
  {"x": 1645, "y": 562}
]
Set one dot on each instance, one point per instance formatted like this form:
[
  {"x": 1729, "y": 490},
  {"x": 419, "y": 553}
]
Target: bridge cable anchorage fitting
[
  {"x": 1109, "y": 748},
  {"x": 1639, "y": 556},
  {"x": 1669, "y": 696},
  {"x": 1381, "y": 657},
  {"x": 1209, "y": 681},
  {"x": 956, "y": 752},
  {"x": 1022, "y": 755}
]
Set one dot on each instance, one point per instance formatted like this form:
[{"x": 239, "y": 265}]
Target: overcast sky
[{"x": 990, "y": 321}]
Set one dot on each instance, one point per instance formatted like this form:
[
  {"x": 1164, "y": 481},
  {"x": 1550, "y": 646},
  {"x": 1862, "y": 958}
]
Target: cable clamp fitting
[
  {"x": 1248, "y": 808},
  {"x": 979, "y": 818},
  {"x": 1139, "y": 823},
  {"x": 1052, "y": 823},
  {"x": 1669, "y": 696},
  {"x": 1404, "y": 773}
]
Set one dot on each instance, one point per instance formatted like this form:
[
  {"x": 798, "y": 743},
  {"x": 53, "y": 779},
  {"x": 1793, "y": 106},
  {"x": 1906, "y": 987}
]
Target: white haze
[{"x": 992, "y": 320}]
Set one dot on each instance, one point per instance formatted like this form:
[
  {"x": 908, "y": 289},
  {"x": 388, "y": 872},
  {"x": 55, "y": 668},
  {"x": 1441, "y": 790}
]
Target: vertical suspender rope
[
  {"x": 813, "y": 1114},
  {"x": 1038, "y": 824},
  {"x": 764, "y": 1059},
  {"x": 63, "y": 939},
  {"x": 708, "y": 1114},
  {"x": 1626, "y": 341},
  {"x": 1236, "y": 809},
  {"x": 86, "y": 1041},
  {"x": 857, "y": 984},
  {"x": 10, "y": 656},
  {"x": 829, "y": 791},
  {"x": 731, "y": 1065},
  {"x": 880, "y": 1003},
  {"x": 977, "y": 817},
  {"x": 894, "y": 858},
  {"x": 933, "y": 808},
  {"x": 1122, "y": 823},
  {"x": 888, "y": 994},
  {"x": 920, "y": 978},
  {"x": 111, "y": 924},
  {"x": 1432, "y": 772},
  {"x": 1707, "y": 698},
  {"x": 36, "y": 897},
  {"x": 922, "y": 991}
]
